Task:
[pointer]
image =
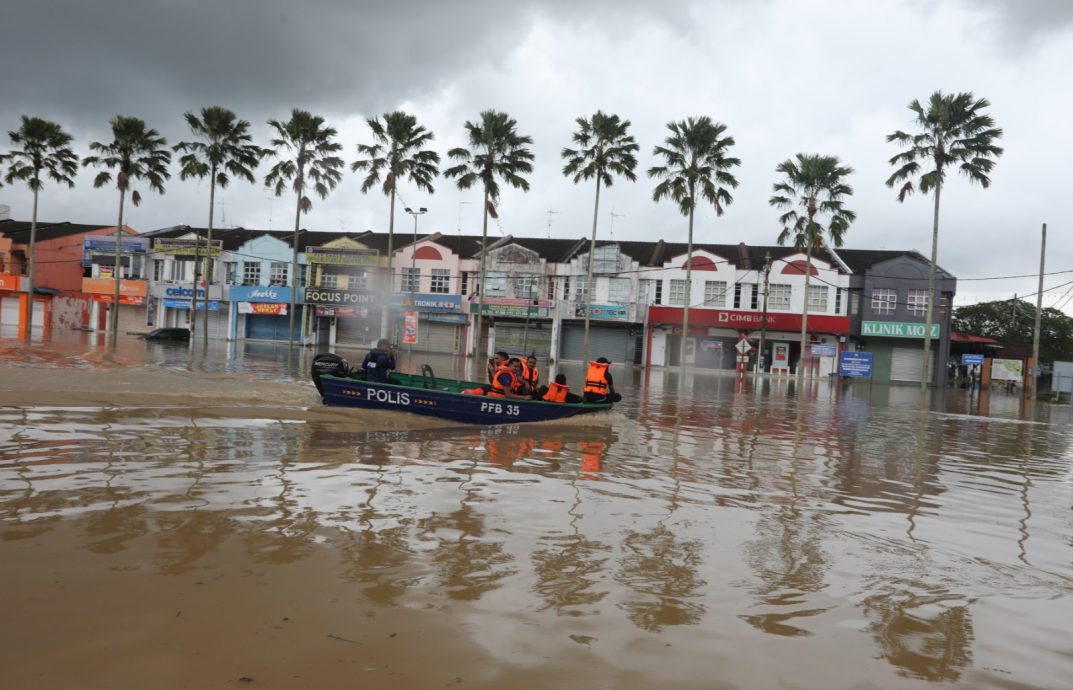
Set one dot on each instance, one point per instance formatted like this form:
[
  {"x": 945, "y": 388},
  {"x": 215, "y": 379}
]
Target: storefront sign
[
  {"x": 332, "y": 296},
  {"x": 175, "y": 247},
  {"x": 9, "y": 282},
  {"x": 855, "y": 364},
  {"x": 972, "y": 359},
  {"x": 106, "y": 286},
  {"x": 409, "y": 328},
  {"x": 272, "y": 308},
  {"x": 711, "y": 345},
  {"x": 185, "y": 304},
  {"x": 185, "y": 291},
  {"x": 279, "y": 294},
  {"x": 104, "y": 245},
  {"x": 519, "y": 308},
  {"x": 749, "y": 320},
  {"x": 428, "y": 303},
  {"x": 123, "y": 299},
  {"x": 603, "y": 312},
  {"x": 822, "y": 350},
  {"x": 888, "y": 329},
  {"x": 446, "y": 318},
  {"x": 342, "y": 257}
]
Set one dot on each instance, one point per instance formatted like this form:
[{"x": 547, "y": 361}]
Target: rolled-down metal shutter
[
  {"x": 9, "y": 311},
  {"x": 433, "y": 336},
  {"x": 905, "y": 364},
  {"x": 132, "y": 319},
  {"x": 518, "y": 340},
  {"x": 355, "y": 330},
  {"x": 39, "y": 314},
  {"x": 613, "y": 343},
  {"x": 266, "y": 326}
]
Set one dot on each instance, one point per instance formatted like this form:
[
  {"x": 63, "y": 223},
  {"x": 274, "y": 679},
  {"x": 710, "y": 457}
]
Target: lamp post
[{"x": 413, "y": 254}]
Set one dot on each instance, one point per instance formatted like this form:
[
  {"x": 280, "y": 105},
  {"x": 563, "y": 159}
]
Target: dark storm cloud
[{"x": 1026, "y": 20}]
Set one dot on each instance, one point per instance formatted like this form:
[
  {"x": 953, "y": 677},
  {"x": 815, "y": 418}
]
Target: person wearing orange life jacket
[
  {"x": 507, "y": 383},
  {"x": 530, "y": 373},
  {"x": 556, "y": 391},
  {"x": 599, "y": 386}
]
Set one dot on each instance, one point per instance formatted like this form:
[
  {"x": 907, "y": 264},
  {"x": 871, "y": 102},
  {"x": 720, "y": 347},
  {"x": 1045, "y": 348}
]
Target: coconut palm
[
  {"x": 604, "y": 147},
  {"x": 397, "y": 153},
  {"x": 696, "y": 169},
  {"x": 224, "y": 149},
  {"x": 135, "y": 152},
  {"x": 953, "y": 130},
  {"x": 310, "y": 152},
  {"x": 813, "y": 188},
  {"x": 495, "y": 150},
  {"x": 42, "y": 149}
]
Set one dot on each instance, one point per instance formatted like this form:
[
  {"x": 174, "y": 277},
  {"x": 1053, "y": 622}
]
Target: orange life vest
[
  {"x": 530, "y": 376},
  {"x": 474, "y": 391},
  {"x": 497, "y": 389},
  {"x": 556, "y": 393},
  {"x": 596, "y": 379}
]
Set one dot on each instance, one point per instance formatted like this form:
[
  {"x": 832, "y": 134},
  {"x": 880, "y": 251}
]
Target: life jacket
[
  {"x": 474, "y": 391},
  {"x": 497, "y": 389},
  {"x": 596, "y": 378},
  {"x": 556, "y": 393},
  {"x": 530, "y": 376}
]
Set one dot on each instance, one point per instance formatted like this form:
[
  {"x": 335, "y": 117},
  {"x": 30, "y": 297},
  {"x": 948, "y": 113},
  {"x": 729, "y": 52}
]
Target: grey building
[{"x": 888, "y": 299}]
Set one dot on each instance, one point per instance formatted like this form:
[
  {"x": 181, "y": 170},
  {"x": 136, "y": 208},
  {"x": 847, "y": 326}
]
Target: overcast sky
[{"x": 785, "y": 76}]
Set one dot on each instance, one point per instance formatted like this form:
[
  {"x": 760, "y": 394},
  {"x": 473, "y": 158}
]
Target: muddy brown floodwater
[{"x": 178, "y": 521}]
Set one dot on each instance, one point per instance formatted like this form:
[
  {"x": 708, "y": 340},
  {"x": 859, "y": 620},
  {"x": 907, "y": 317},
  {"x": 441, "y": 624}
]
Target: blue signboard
[
  {"x": 185, "y": 304},
  {"x": 428, "y": 303},
  {"x": 855, "y": 364},
  {"x": 972, "y": 359},
  {"x": 93, "y": 245},
  {"x": 272, "y": 294},
  {"x": 821, "y": 350}
]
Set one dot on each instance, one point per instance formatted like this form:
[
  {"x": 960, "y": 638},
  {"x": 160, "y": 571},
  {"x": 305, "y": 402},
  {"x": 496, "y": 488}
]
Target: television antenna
[
  {"x": 549, "y": 214},
  {"x": 611, "y": 226}
]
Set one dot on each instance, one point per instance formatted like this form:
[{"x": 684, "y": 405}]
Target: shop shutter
[
  {"x": 518, "y": 340},
  {"x": 132, "y": 319},
  {"x": 9, "y": 311},
  {"x": 355, "y": 330},
  {"x": 905, "y": 364},
  {"x": 433, "y": 336},
  {"x": 614, "y": 343},
  {"x": 265, "y": 326},
  {"x": 39, "y": 314}
]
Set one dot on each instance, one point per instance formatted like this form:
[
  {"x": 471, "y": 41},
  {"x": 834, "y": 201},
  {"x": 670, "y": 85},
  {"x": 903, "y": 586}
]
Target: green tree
[
  {"x": 135, "y": 153},
  {"x": 696, "y": 168},
  {"x": 604, "y": 148},
  {"x": 397, "y": 153},
  {"x": 308, "y": 150},
  {"x": 42, "y": 150},
  {"x": 496, "y": 152},
  {"x": 952, "y": 130},
  {"x": 223, "y": 149},
  {"x": 1013, "y": 321},
  {"x": 813, "y": 189}
]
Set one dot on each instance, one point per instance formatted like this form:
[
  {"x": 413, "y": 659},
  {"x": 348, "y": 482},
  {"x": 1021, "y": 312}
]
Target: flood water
[{"x": 178, "y": 521}]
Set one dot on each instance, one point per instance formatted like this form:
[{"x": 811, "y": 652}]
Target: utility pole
[
  {"x": 1033, "y": 378},
  {"x": 193, "y": 293},
  {"x": 763, "y": 319}
]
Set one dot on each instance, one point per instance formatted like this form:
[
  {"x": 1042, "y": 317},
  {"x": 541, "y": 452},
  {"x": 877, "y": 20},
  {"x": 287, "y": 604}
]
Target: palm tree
[
  {"x": 42, "y": 148},
  {"x": 224, "y": 150},
  {"x": 604, "y": 148},
  {"x": 696, "y": 168},
  {"x": 135, "y": 153},
  {"x": 396, "y": 154},
  {"x": 310, "y": 148},
  {"x": 817, "y": 185},
  {"x": 496, "y": 150},
  {"x": 953, "y": 130}
]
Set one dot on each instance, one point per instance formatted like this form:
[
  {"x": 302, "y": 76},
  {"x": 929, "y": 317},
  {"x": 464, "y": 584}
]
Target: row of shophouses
[{"x": 536, "y": 295}]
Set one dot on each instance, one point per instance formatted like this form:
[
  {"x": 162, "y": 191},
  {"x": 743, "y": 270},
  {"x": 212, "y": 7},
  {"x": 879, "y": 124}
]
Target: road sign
[
  {"x": 972, "y": 359},
  {"x": 821, "y": 350},
  {"x": 744, "y": 346},
  {"x": 855, "y": 364}
]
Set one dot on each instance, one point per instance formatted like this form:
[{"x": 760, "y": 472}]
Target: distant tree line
[{"x": 1012, "y": 321}]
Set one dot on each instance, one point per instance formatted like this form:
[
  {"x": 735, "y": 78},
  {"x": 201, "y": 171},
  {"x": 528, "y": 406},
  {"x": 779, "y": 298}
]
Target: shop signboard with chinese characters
[
  {"x": 517, "y": 308},
  {"x": 890, "y": 329},
  {"x": 104, "y": 245},
  {"x": 603, "y": 312},
  {"x": 428, "y": 303},
  {"x": 185, "y": 247},
  {"x": 342, "y": 257}
]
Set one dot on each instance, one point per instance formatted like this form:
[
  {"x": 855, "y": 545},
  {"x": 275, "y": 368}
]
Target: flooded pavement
[{"x": 177, "y": 521}]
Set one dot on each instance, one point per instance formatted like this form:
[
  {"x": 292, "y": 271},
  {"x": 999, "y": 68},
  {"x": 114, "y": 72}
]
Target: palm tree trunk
[
  {"x": 689, "y": 285},
  {"x": 804, "y": 311},
  {"x": 588, "y": 280},
  {"x": 114, "y": 325},
  {"x": 30, "y": 268},
  {"x": 208, "y": 260},
  {"x": 294, "y": 260},
  {"x": 389, "y": 286},
  {"x": 931, "y": 290},
  {"x": 480, "y": 288}
]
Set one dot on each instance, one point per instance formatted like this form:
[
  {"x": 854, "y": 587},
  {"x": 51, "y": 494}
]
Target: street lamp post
[{"x": 413, "y": 255}]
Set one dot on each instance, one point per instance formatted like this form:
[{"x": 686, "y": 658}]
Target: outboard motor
[{"x": 326, "y": 364}]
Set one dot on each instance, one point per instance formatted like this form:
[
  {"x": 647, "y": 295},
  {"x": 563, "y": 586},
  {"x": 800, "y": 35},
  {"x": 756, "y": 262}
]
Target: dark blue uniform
[{"x": 377, "y": 364}]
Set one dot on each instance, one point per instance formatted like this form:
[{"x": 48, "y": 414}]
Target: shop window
[
  {"x": 495, "y": 284},
  {"x": 581, "y": 290},
  {"x": 678, "y": 293},
  {"x": 838, "y": 300},
  {"x": 526, "y": 287},
  {"x": 465, "y": 283},
  {"x": 916, "y": 301},
  {"x": 158, "y": 270},
  {"x": 737, "y": 295},
  {"x": 779, "y": 297},
  {"x": 618, "y": 291},
  {"x": 754, "y": 296},
  {"x": 715, "y": 293},
  {"x": 884, "y": 301},
  {"x": 817, "y": 298},
  {"x": 278, "y": 276},
  {"x": 358, "y": 279},
  {"x": 411, "y": 279},
  {"x": 328, "y": 278},
  {"x": 441, "y": 281},
  {"x": 854, "y": 303},
  {"x": 605, "y": 259},
  {"x": 659, "y": 293},
  {"x": 182, "y": 269}
]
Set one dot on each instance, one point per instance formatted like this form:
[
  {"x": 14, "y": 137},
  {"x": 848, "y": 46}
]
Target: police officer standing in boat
[{"x": 379, "y": 362}]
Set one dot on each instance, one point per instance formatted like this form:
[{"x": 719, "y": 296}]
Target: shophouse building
[
  {"x": 428, "y": 309},
  {"x": 172, "y": 300}
]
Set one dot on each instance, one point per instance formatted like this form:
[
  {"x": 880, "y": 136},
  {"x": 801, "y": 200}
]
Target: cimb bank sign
[{"x": 331, "y": 297}]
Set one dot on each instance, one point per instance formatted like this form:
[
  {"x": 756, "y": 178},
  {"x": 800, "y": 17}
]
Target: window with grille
[
  {"x": 328, "y": 278},
  {"x": 737, "y": 296},
  {"x": 605, "y": 259},
  {"x": 526, "y": 287},
  {"x": 677, "y": 295},
  {"x": 884, "y": 300},
  {"x": 158, "y": 270},
  {"x": 411, "y": 279},
  {"x": 495, "y": 284},
  {"x": 817, "y": 298},
  {"x": 618, "y": 291},
  {"x": 441, "y": 281},
  {"x": 659, "y": 293},
  {"x": 778, "y": 297},
  {"x": 581, "y": 290},
  {"x": 916, "y": 302},
  {"x": 754, "y": 296},
  {"x": 358, "y": 279},
  {"x": 715, "y": 293},
  {"x": 465, "y": 282},
  {"x": 838, "y": 300},
  {"x": 251, "y": 272},
  {"x": 279, "y": 273}
]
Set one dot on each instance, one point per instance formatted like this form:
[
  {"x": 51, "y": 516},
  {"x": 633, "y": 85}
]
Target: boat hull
[{"x": 467, "y": 409}]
